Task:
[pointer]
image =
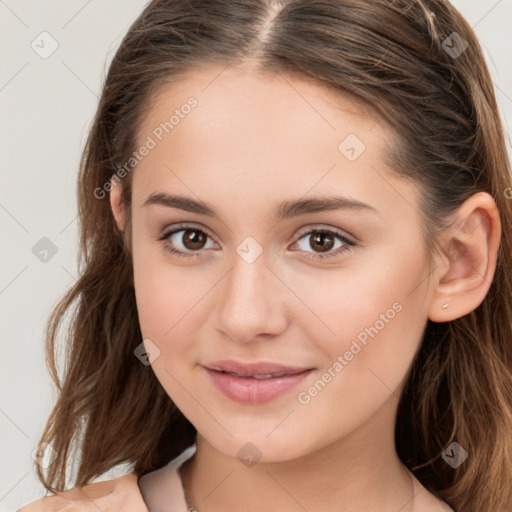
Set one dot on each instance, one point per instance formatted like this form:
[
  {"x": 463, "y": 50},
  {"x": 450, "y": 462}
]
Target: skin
[{"x": 253, "y": 141}]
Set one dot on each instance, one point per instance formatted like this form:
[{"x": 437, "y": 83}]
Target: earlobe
[
  {"x": 469, "y": 260},
  {"x": 116, "y": 204}
]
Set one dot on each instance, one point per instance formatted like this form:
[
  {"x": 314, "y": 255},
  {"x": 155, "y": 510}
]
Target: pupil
[
  {"x": 193, "y": 239},
  {"x": 319, "y": 240}
]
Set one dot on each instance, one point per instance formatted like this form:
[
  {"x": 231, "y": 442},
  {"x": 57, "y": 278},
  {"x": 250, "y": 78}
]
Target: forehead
[
  {"x": 229, "y": 95},
  {"x": 256, "y": 135}
]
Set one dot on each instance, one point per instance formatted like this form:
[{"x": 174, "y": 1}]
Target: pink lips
[{"x": 254, "y": 383}]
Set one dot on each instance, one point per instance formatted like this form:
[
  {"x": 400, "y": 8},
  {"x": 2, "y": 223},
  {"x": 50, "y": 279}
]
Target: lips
[
  {"x": 254, "y": 383},
  {"x": 260, "y": 377},
  {"x": 260, "y": 369}
]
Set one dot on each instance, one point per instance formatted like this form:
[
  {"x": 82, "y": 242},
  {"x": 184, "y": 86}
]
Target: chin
[{"x": 251, "y": 446}]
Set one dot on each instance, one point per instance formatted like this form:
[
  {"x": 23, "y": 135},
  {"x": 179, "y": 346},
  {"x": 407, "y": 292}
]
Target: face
[{"x": 337, "y": 296}]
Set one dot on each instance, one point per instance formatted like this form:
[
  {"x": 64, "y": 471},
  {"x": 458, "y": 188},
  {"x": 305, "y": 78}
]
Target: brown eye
[
  {"x": 194, "y": 239},
  {"x": 185, "y": 241},
  {"x": 322, "y": 241}
]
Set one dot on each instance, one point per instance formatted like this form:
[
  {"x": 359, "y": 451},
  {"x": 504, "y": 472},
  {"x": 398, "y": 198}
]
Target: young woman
[{"x": 295, "y": 287}]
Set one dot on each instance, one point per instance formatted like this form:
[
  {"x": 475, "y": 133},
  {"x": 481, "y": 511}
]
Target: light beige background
[{"x": 47, "y": 105}]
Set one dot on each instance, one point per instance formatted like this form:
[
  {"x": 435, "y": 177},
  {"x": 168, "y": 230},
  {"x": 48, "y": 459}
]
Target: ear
[
  {"x": 466, "y": 269},
  {"x": 117, "y": 204}
]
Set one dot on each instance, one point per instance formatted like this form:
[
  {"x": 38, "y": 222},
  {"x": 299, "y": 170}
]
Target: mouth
[
  {"x": 254, "y": 383},
  {"x": 262, "y": 376},
  {"x": 262, "y": 368}
]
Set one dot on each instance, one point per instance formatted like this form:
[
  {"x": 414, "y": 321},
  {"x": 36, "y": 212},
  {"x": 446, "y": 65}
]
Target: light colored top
[
  {"x": 127, "y": 493},
  {"x": 163, "y": 489}
]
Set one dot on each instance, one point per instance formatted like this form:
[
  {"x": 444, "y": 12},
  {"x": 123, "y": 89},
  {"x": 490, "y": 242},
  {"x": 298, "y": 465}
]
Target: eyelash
[{"x": 349, "y": 244}]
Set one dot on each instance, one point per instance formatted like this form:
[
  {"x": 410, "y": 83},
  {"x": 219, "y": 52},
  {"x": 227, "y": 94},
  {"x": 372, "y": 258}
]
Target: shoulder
[{"x": 115, "y": 495}]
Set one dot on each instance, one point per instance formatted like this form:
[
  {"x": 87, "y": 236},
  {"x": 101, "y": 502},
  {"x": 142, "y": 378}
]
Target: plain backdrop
[{"x": 47, "y": 104}]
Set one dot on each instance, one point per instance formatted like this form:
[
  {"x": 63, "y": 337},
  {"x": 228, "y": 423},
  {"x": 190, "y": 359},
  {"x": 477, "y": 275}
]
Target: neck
[{"x": 360, "y": 470}]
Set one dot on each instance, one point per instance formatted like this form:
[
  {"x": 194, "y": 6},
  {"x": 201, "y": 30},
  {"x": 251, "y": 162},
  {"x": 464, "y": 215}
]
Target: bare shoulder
[{"x": 113, "y": 495}]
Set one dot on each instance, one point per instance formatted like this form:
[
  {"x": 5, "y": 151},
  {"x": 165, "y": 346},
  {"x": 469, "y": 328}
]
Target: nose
[{"x": 251, "y": 305}]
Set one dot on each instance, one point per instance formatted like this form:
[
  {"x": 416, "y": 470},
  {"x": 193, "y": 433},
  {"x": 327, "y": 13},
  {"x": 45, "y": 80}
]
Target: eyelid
[
  {"x": 322, "y": 227},
  {"x": 183, "y": 226}
]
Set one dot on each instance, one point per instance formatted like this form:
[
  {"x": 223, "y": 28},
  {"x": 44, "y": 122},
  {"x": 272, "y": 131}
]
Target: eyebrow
[{"x": 285, "y": 210}]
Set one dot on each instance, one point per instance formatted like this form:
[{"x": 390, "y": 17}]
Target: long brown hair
[{"x": 409, "y": 61}]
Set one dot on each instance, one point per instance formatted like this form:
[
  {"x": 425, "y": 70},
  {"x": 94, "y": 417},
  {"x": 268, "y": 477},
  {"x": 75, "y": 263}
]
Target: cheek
[
  {"x": 375, "y": 313},
  {"x": 166, "y": 297},
  {"x": 378, "y": 317},
  {"x": 171, "y": 302}
]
